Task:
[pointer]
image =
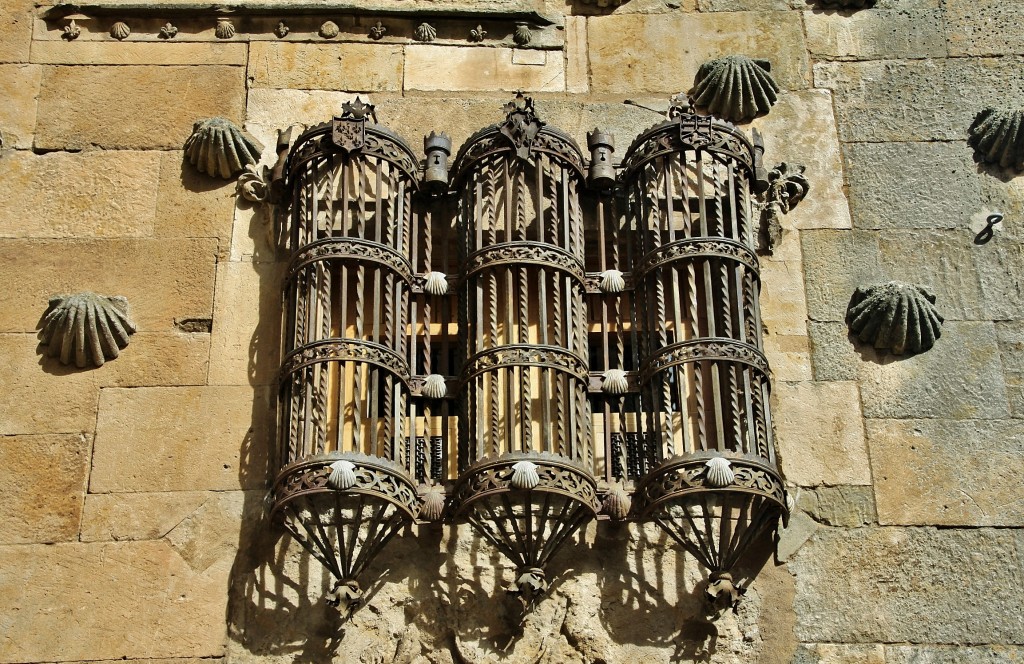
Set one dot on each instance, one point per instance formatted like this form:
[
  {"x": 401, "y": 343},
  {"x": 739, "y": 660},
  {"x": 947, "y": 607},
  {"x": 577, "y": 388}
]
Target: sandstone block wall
[{"x": 133, "y": 526}]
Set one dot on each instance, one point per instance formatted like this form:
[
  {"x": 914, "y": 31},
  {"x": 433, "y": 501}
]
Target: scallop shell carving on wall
[
  {"x": 225, "y": 29},
  {"x": 614, "y": 382},
  {"x": 343, "y": 475},
  {"x": 431, "y": 501},
  {"x": 719, "y": 472},
  {"x": 120, "y": 31},
  {"x": 425, "y": 33},
  {"x": 218, "y": 147},
  {"x": 86, "y": 328},
  {"x": 612, "y": 281},
  {"x": 735, "y": 88},
  {"x": 998, "y": 138},
  {"x": 436, "y": 283},
  {"x": 524, "y": 475},
  {"x": 897, "y": 317},
  {"x": 522, "y": 34},
  {"x": 617, "y": 503},
  {"x": 434, "y": 387}
]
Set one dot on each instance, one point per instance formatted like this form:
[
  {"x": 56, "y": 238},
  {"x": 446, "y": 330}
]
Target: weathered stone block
[
  {"x": 820, "y": 434},
  {"x": 833, "y": 352},
  {"x": 461, "y": 68},
  {"x": 155, "y": 358},
  {"x": 983, "y": 27},
  {"x": 618, "y": 67},
  {"x": 109, "y": 601},
  {"x": 328, "y": 66},
  {"x": 162, "y": 279},
  {"x": 746, "y": 5},
  {"x": 947, "y": 473},
  {"x": 801, "y": 129},
  {"x": 917, "y": 100},
  {"x": 912, "y": 185},
  {"x": 783, "y": 304},
  {"x": 837, "y": 653},
  {"x": 577, "y": 65},
  {"x": 875, "y": 35},
  {"x": 1011, "y": 353},
  {"x": 19, "y": 88},
  {"x": 15, "y": 30},
  {"x": 82, "y": 52},
  {"x": 835, "y": 263},
  {"x": 245, "y": 347},
  {"x": 945, "y": 382},
  {"x": 871, "y": 585},
  {"x": 928, "y": 654},
  {"x": 210, "y": 533},
  {"x": 137, "y": 516},
  {"x": 105, "y": 194},
  {"x": 115, "y": 107},
  {"x": 44, "y": 478},
  {"x": 190, "y": 204},
  {"x": 789, "y": 356},
  {"x": 844, "y": 505},
  {"x": 182, "y": 439},
  {"x": 1001, "y": 275},
  {"x": 38, "y": 398}
]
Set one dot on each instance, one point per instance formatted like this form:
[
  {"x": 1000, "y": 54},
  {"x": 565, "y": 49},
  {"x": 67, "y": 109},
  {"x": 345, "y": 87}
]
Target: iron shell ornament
[
  {"x": 436, "y": 283},
  {"x": 998, "y": 138},
  {"x": 612, "y": 281},
  {"x": 220, "y": 148},
  {"x": 897, "y": 317},
  {"x": 434, "y": 387},
  {"x": 614, "y": 382},
  {"x": 719, "y": 472},
  {"x": 735, "y": 88},
  {"x": 343, "y": 475},
  {"x": 86, "y": 328},
  {"x": 524, "y": 475},
  {"x": 617, "y": 503},
  {"x": 432, "y": 499}
]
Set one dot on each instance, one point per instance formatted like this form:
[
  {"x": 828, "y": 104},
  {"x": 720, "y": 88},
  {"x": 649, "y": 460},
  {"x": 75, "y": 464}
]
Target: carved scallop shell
[
  {"x": 343, "y": 475},
  {"x": 998, "y": 138},
  {"x": 86, "y": 328},
  {"x": 220, "y": 148},
  {"x": 524, "y": 475},
  {"x": 612, "y": 281},
  {"x": 719, "y": 472},
  {"x": 120, "y": 31},
  {"x": 431, "y": 501},
  {"x": 436, "y": 283},
  {"x": 735, "y": 88},
  {"x": 522, "y": 35},
  {"x": 425, "y": 32},
  {"x": 614, "y": 382},
  {"x": 898, "y": 317},
  {"x": 435, "y": 387},
  {"x": 329, "y": 30},
  {"x": 225, "y": 29},
  {"x": 617, "y": 503}
]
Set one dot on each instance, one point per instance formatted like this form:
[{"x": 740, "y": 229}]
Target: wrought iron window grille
[{"x": 525, "y": 340}]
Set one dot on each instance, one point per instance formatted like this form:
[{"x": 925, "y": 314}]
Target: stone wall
[{"x": 134, "y": 525}]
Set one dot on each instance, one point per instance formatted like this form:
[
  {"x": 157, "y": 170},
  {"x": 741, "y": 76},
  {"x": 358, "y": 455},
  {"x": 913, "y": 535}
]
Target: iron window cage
[{"x": 534, "y": 342}]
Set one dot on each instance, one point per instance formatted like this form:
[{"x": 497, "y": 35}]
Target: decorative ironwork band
[
  {"x": 556, "y": 474},
  {"x": 682, "y": 476},
  {"x": 535, "y": 253},
  {"x": 352, "y": 248},
  {"x": 338, "y": 350},
  {"x": 490, "y": 141},
  {"x": 689, "y": 132},
  {"x": 692, "y": 248},
  {"x": 377, "y": 142},
  {"x": 705, "y": 348},
  {"x": 373, "y": 477},
  {"x": 526, "y": 355}
]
